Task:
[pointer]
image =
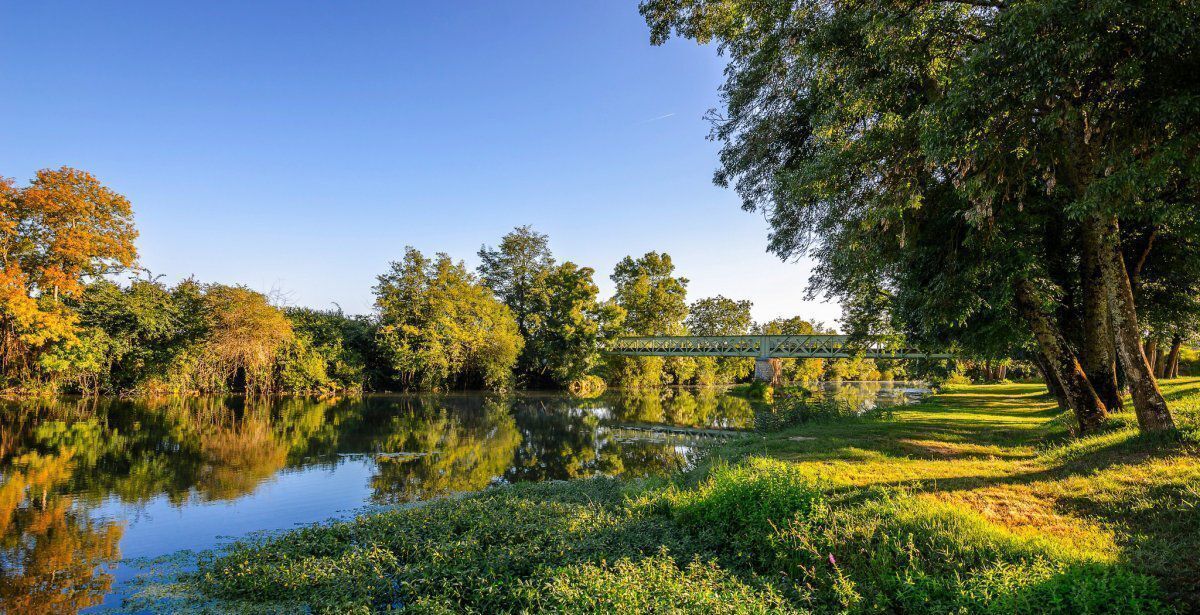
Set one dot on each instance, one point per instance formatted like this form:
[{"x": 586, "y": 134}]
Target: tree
[
  {"x": 62, "y": 229},
  {"x": 943, "y": 161},
  {"x": 330, "y": 351},
  {"x": 1087, "y": 108},
  {"x": 516, "y": 270},
  {"x": 720, "y": 316},
  {"x": 141, "y": 326},
  {"x": 555, "y": 307},
  {"x": 655, "y": 303},
  {"x": 439, "y": 326},
  {"x": 571, "y": 324},
  {"x": 245, "y": 337}
]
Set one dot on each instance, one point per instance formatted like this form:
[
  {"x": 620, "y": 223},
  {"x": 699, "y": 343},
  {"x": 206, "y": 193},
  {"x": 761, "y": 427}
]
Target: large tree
[
  {"x": 572, "y": 323},
  {"x": 655, "y": 303},
  {"x": 58, "y": 232},
  {"x": 555, "y": 306},
  {"x": 1091, "y": 105},
  {"x": 515, "y": 270},
  {"x": 944, "y": 162}
]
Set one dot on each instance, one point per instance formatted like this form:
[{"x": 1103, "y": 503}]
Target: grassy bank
[{"x": 975, "y": 500}]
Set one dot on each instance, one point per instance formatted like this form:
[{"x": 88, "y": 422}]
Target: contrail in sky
[{"x": 655, "y": 119}]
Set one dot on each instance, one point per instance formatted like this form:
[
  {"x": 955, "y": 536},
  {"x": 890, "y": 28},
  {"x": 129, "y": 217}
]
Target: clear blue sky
[{"x": 301, "y": 146}]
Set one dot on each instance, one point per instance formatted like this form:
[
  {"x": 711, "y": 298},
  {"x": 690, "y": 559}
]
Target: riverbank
[{"x": 974, "y": 500}]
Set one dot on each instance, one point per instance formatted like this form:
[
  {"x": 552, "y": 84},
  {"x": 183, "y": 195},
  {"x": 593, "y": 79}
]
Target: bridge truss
[{"x": 814, "y": 346}]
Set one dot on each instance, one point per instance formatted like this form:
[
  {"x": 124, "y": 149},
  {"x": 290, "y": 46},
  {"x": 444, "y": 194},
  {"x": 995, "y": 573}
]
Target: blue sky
[{"x": 300, "y": 147}]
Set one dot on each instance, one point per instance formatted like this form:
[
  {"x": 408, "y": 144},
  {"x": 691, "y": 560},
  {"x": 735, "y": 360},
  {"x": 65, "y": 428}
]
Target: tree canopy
[{"x": 961, "y": 172}]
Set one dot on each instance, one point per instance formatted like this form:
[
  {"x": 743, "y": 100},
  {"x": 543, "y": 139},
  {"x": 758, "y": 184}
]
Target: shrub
[{"x": 658, "y": 585}]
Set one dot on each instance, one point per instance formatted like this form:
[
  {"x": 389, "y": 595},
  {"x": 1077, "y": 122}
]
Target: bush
[
  {"x": 658, "y": 585},
  {"x": 747, "y": 501}
]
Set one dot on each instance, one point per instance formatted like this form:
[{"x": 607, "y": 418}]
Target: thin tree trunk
[
  {"x": 1097, "y": 354},
  {"x": 1160, "y": 361},
  {"x": 1148, "y": 403},
  {"x": 1173, "y": 357},
  {"x": 1060, "y": 359},
  {"x": 1151, "y": 350}
]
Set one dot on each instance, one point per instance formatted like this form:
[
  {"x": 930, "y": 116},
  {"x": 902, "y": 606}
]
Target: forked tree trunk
[
  {"x": 1148, "y": 403},
  {"x": 1061, "y": 361},
  {"x": 1097, "y": 355}
]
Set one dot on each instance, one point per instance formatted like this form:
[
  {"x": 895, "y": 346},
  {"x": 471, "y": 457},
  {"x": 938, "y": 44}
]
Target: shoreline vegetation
[
  {"x": 975, "y": 499},
  {"x": 80, "y": 315}
]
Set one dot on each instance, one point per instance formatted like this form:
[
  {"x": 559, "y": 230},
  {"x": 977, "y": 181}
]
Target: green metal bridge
[{"x": 762, "y": 347}]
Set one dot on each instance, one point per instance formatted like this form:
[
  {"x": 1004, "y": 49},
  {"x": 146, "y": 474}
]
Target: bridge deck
[{"x": 766, "y": 347}]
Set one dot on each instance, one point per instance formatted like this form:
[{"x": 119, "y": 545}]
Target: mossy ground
[{"x": 974, "y": 500}]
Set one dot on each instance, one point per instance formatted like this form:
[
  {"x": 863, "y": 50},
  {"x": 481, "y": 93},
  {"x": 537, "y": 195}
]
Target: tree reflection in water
[{"x": 61, "y": 460}]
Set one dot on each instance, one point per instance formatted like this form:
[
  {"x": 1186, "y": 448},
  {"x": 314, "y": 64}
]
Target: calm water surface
[{"x": 86, "y": 486}]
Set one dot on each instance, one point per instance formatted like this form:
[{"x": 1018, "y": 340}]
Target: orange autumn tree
[{"x": 62, "y": 229}]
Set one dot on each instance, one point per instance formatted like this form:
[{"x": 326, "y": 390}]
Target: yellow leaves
[{"x": 62, "y": 227}]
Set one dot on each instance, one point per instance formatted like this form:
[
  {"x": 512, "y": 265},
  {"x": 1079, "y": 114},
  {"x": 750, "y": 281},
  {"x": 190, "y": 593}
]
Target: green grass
[{"x": 975, "y": 500}]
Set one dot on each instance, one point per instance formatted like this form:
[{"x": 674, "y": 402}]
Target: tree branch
[{"x": 1137, "y": 269}]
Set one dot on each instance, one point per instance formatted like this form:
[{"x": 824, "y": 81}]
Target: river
[{"x": 91, "y": 488}]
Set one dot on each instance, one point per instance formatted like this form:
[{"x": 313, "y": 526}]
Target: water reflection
[
  {"x": 85, "y": 482},
  {"x": 82, "y": 480}
]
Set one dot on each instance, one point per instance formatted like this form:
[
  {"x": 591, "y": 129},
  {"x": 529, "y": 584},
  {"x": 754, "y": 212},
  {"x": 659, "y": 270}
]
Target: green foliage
[
  {"x": 571, "y": 325},
  {"x": 149, "y": 338},
  {"x": 655, "y": 303},
  {"x": 754, "y": 390},
  {"x": 440, "y": 327},
  {"x": 795, "y": 370},
  {"x": 516, "y": 271},
  {"x": 587, "y": 386},
  {"x": 720, "y": 316},
  {"x": 927, "y": 509},
  {"x": 759, "y": 533},
  {"x": 654, "y": 299},
  {"x": 556, "y": 306},
  {"x": 659, "y": 585},
  {"x": 330, "y": 351},
  {"x": 746, "y": 502}
]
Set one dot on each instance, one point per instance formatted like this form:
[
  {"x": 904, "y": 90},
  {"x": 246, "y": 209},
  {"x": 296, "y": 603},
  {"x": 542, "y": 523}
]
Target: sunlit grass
[{"x": 975, "y": 500}]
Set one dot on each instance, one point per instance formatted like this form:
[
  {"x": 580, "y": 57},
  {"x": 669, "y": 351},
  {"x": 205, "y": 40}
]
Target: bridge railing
[{"x": 813, "y": 346}]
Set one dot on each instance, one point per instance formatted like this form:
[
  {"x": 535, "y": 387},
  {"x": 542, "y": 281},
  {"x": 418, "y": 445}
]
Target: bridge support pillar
[{"x": 767, "y": 370}]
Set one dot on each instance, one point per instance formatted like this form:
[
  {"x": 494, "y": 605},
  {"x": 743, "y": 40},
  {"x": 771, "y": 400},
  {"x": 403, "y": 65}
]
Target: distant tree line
[
  {"x": 70, "y": 321},
  {"x": 1003, "y": 177}
]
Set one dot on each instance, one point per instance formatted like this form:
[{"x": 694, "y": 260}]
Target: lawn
[{"x": 974, "y": 500}]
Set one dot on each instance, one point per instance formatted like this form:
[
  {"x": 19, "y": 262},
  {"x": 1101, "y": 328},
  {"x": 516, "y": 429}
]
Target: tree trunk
[
  {"x": 1051, "y": 380},
  {"x": 1160, "y": 361},
  {"x": 1173, "y": 357},
  {"x": 1097, "y": 355},
  {"x": 1060, "y": 360},
  {"x": 1151, "y": 350},
  {"x": 1148, "y": 403},
  {"x": 1002, "y": 371}
]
